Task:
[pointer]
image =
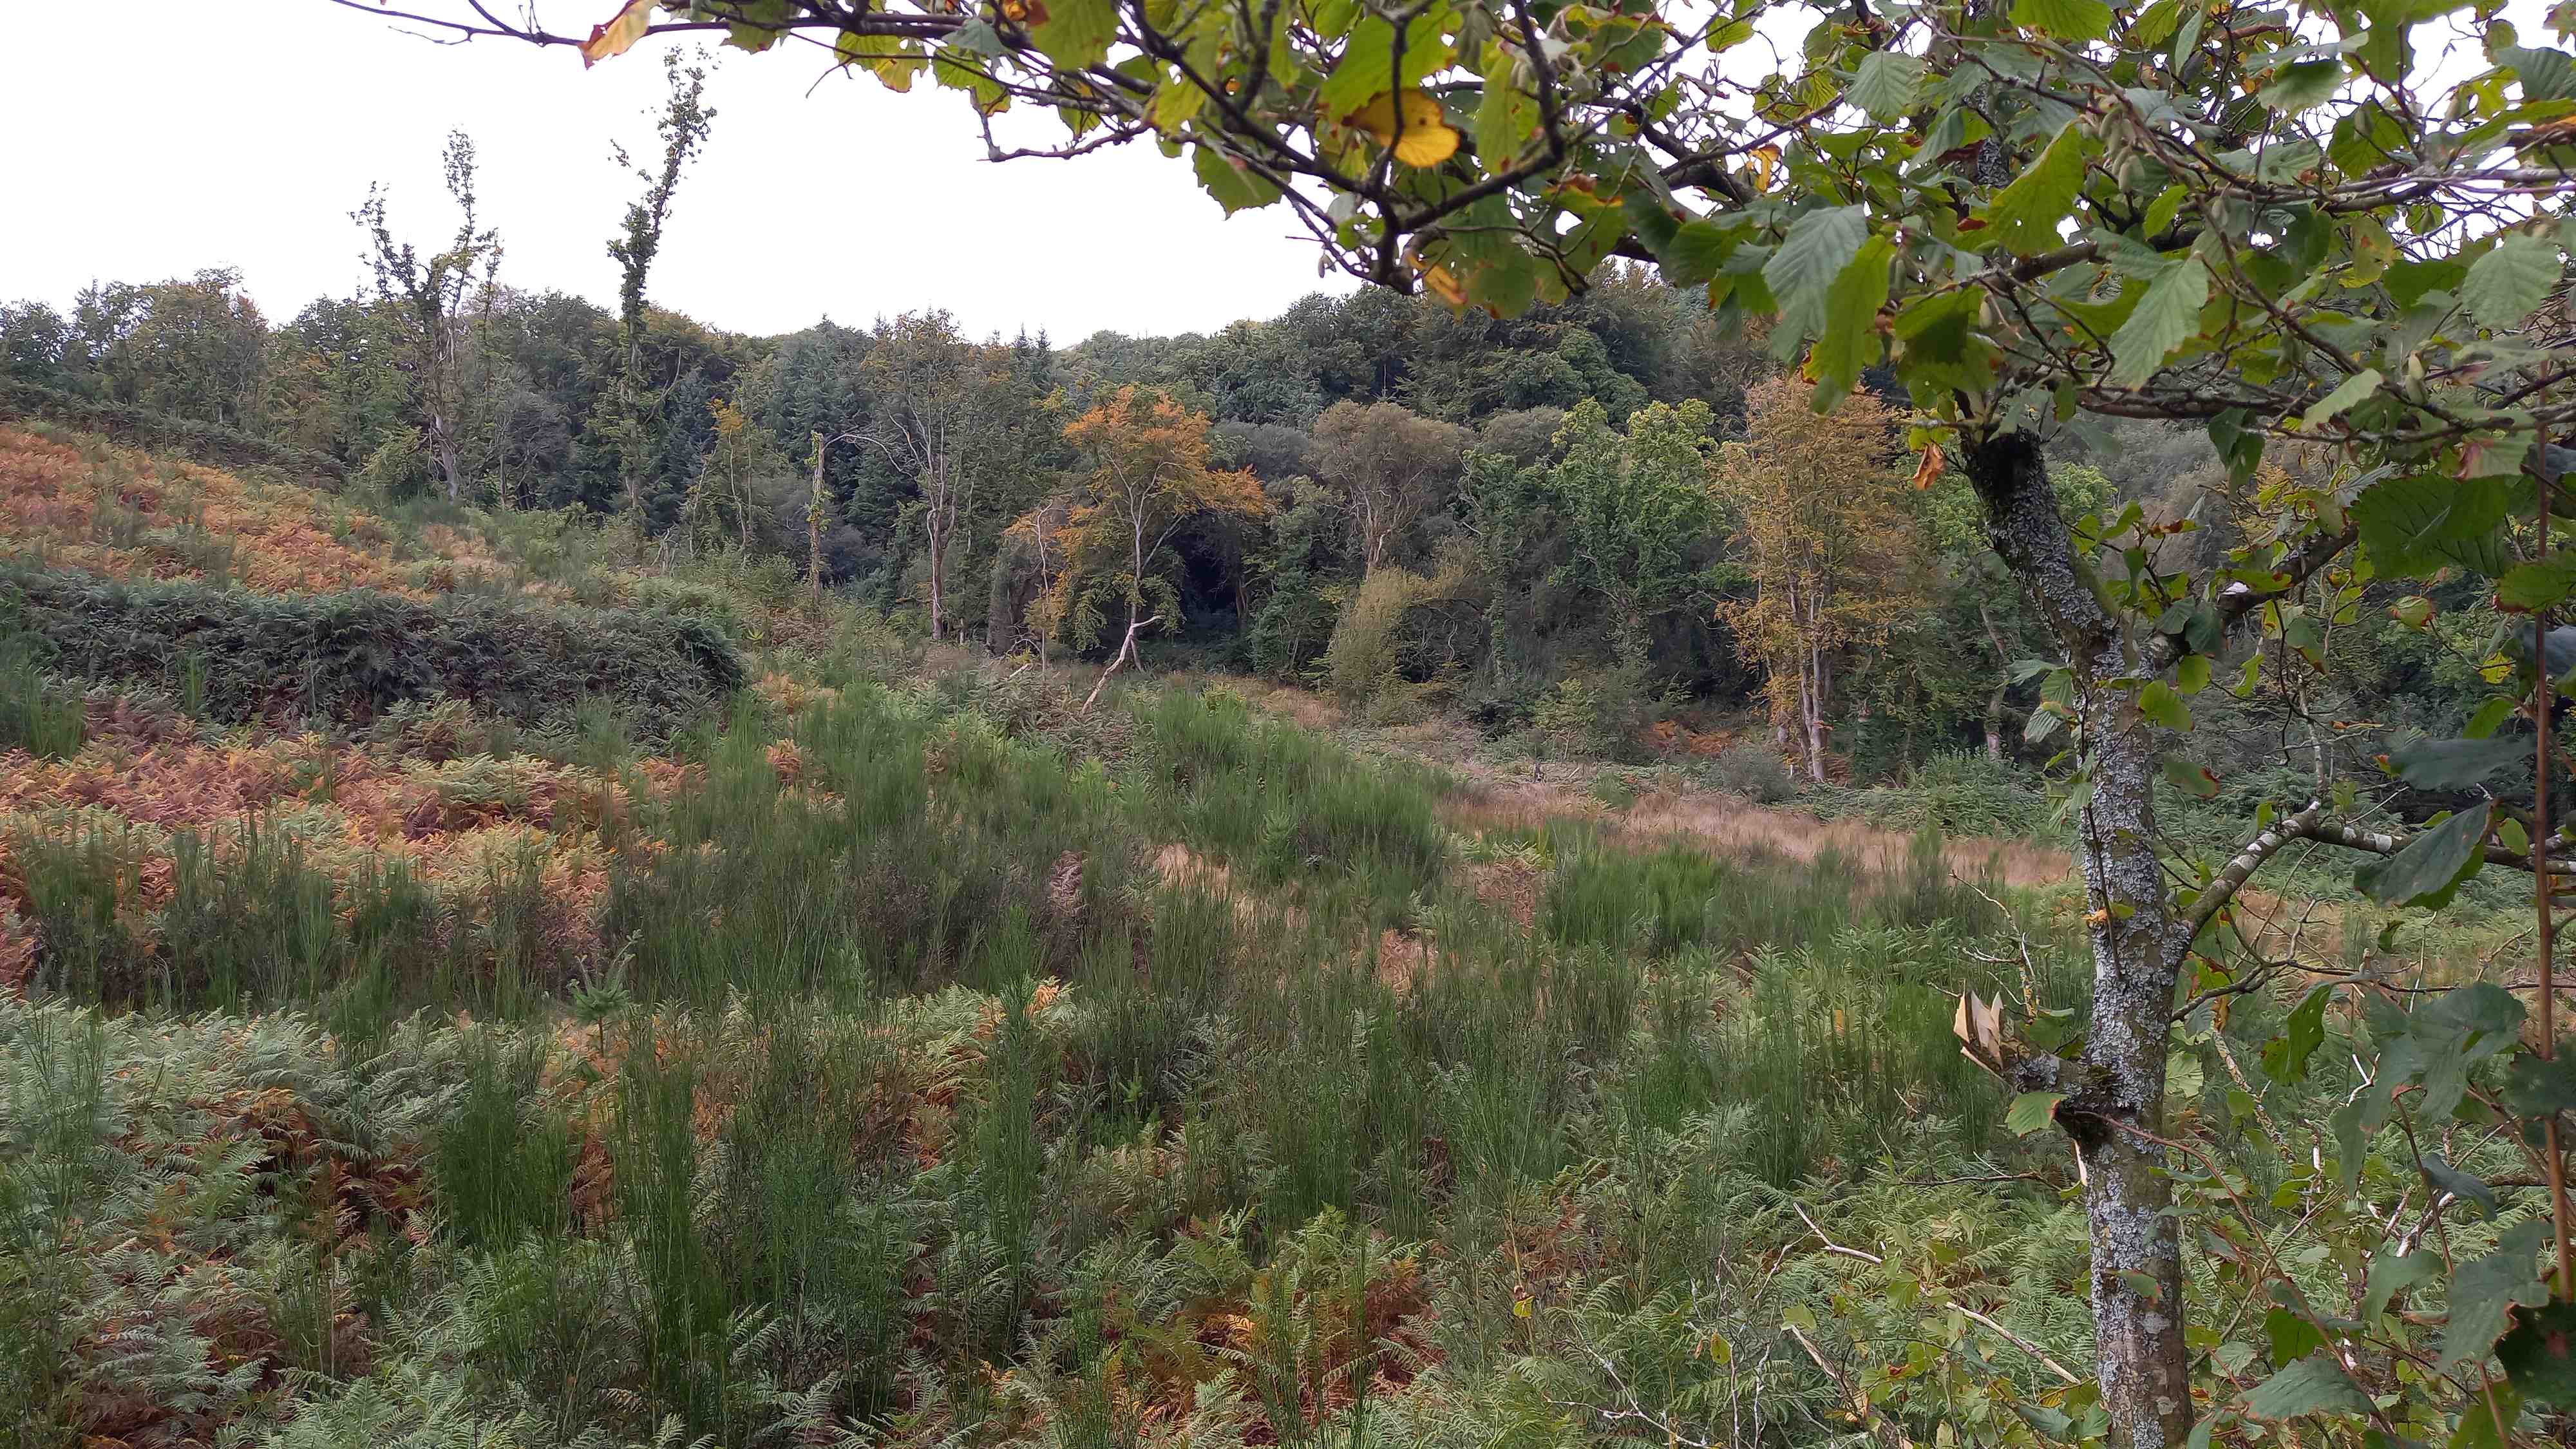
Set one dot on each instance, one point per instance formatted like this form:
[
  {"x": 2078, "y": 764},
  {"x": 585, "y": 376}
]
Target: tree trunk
[
  {"x": 2117, "y": 1090},
  {"x": 2003, "y": 684}
]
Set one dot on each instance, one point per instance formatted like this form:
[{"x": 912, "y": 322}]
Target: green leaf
[
  {"x": 2539, "y": 1356},
  {"x": 2453, "y": 764},
  {"x": 1508, "y": 115},
  {"x": 2159, "y": 703},
  {"x": 1801, "y": 273},
  {"x": 2314, "y": 1385},
  {"x": 2446, "y": 1178},
  {"x": 2302, "y": 84},
  {"x": 2166, "y": 316},
  {"x": 1886, "y": 84},
  {"x": 1850, "y": 341},
  {"x": 2031, "y": 1111},
  {"x": 2477, "y": 1430},
  {"x": 2539, "y": 1088},
  {"x": 2416, "y": 526},
  {"x": 1234, "y": 188},
  {"x": 2392, "y": 1276},
  {"x": 2193, "y": 780},
  {"x": 2432, "y": 867},
  {"x": 2484, "y": 1292},
  {"x": 2024, "y": 216},
  {"x": 2075, "y": 20},
  {"x": 1077, "y": 33},
  {"x": 2155, "y": 25},
  {"x": 2532, "y": 587},
  {"x": 2546, "y": 75},
  {"x": 2292, "y": 1337},
  {"x": 2285, "y": 1057},
  {"x": 2511, "y": 280},
  {"x": 2191, "y": 676},
  {"x": 1694, "y": 252},
  {"x": 2490, "y": 716},
  {"x": 1367, "y": 69},
  {"x": 2334, "y": 404}
]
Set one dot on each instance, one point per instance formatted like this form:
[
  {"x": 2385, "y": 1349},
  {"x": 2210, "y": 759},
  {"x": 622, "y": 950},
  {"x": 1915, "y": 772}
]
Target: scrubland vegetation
[
  {"x": 890, "y": 1051},
  {"x": 1932, "y": 822}
]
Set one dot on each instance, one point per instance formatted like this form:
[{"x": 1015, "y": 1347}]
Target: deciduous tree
[
  {"x": 424, "y": 300},
  {"x": 1828, "y": 544},
  {"x": 1144, "y": 473},
  {"x": 1390, "y": 466}
]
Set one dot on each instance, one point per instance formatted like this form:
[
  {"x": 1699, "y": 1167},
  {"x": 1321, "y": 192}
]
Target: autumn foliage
[
  {"x": 90, "y": 505},
  {"x": 1824, "y": 533},
  {"x": 1145, "y": 474}
]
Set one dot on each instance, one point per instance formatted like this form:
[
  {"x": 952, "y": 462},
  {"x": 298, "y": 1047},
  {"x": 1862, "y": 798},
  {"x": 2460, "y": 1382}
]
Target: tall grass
[{"x": 908, "y": 1092}]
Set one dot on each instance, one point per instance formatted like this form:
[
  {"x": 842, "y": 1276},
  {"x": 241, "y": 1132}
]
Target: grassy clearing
[{"x": 889, "y": 1061}]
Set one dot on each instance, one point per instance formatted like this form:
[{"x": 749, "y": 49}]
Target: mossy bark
[{"x": 2141, "y": 1361}]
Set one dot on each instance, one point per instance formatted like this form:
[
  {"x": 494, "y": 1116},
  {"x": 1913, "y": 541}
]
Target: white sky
[{"x": 193, "y": 135}]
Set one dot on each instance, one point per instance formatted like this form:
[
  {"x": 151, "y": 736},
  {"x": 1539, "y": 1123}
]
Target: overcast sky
[{"x": 191, "y": 135}]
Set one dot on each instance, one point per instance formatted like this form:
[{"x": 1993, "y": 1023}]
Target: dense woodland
[{"x": 1588, "y": 516}]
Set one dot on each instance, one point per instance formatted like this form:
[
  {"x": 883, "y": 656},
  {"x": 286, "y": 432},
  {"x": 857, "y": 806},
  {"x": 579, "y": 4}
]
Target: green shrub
[
  {"x": 1753, "y": 772},
  {"x": 689, "y": 599},
  {"x": 354, "y": 656}
]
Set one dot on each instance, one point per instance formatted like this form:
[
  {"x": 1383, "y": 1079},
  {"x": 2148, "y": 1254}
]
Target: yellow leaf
[
  {"x": 1428, "y": 137},
  {"x": 1520, "y": 1308},
  {"x": 1764, "y": 158},
  {"x": 1445, "y": 285},
  {"x": 619, "y": 35}
]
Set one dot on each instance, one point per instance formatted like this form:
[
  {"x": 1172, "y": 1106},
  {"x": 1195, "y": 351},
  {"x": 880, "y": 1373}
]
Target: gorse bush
[
  {"x": 352, "y": 657},
  {"x": 1753, "y": 771}
]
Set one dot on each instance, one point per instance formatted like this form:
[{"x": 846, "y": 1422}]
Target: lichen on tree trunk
[{"x": 2141, "y": 1360}]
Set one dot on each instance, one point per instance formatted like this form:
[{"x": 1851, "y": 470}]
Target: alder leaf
[
  {"x": 2031, "y": 1111},
  {"x": 1234, "y": 187},
  {"x": 2024, "y": 216},
  {"x": 2167, "y": 315},
  {"x": 2390, "y": 1276},
  {"x": 2334, "y": 404},
  {"x": 2193, "y": 780},
  {"x": 2313, "y": 1385},
  {"x": 2532, "y": 587},
  {"x": 1885, "y": 85},
  {"x": 2511, "y": 281},
  {"x": 2485, "y": 1290},
  {"x": 2077, "y": 20},
  {"x": 2432, "y": 867},
  {"x": 1802, "y": 272},
  {"x": 2453, "y": 764},
  {"x": 2303, "y": 84},
  {"x": 2285, "y": 1057},
  {"x": 1849, "y": 341},
  {"x": 1076, "y": 33},
  {"x": 2159, "y": 703},
  {"x": 2414, "y": 526},
  {"x": 2539, "y": 1356}
]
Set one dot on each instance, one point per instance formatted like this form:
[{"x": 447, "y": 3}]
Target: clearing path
[
  {"x": 1738, "y": 826},
  {"x": 1501, "y": 797}
]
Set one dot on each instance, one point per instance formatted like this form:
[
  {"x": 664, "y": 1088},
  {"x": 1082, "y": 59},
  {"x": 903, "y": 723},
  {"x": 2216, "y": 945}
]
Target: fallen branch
[{"x": 1126, "y": 651}]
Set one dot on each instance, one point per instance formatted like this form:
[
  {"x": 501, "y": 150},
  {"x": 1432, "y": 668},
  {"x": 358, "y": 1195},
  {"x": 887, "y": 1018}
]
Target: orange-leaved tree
[
  {"x": 1144, "y": 473},
  {"x": 1823, "y": 530}
]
